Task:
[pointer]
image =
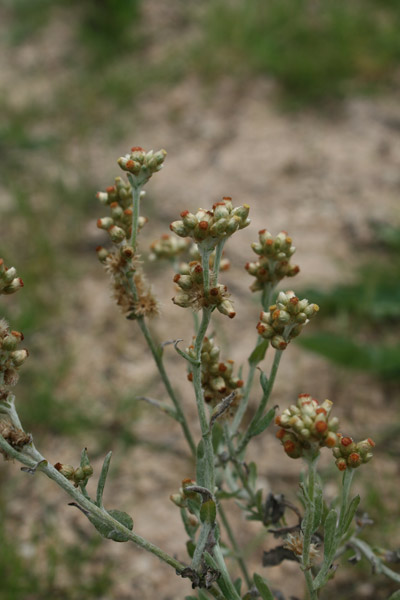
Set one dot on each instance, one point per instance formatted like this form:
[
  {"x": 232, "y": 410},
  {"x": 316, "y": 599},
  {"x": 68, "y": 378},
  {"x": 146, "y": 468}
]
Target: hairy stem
[
  {"x": 308, "y": 525},
  {"x": 235, "y": 547},
  {"x": 31, "y": 458}
]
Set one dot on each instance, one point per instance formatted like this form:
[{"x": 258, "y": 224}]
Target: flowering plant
[{"x": 323, "y": 531}]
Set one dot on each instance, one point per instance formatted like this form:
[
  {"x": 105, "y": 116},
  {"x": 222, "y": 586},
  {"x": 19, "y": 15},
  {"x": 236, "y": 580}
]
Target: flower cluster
[
  {"x": 119, "y": 224},
  {"x": 350, "y": 454},
  {"x": 118, "y": 263},
  {"x": 307, "y": 425},
  {"x": 141, "y": 164},
  {"x": 217, "y": 378},
  {"x": 285, "y": 319},
  {"x": 9, "y": 282},
  {"x": 191, "y": 293},
  {"x": 11, "y": 356},
  {"x": 211, "y": 226},
  {"x": 78, "y": 476},
  {"x": 274, "y": 262},
  {"x": 168, "y": 247}
]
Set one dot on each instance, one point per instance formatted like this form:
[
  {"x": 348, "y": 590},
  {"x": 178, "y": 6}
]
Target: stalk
[
  {"x": 308, "y": 526},
  {"x": 235, "y": 546},
  {"x": 30, "y": 457}
]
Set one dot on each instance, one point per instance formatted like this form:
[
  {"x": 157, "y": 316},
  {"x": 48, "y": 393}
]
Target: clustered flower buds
[
  {"x": 142, "y": 164},
  {"x": 307, "y": 425},
  {"x": 119, "y": 224},
  {"x": 217, "y": 378},
  {"x": 11, "y": 355},
  {"x": 9, "y": 282},
  {"x": 210, "y": 226},
  {"x": 77, "y": 476},
  {"x": 14, "y": 436},
  {"x": 350, "y": 454},
  {"x": 285, "y": 319},
  {"x": 274, "y": 262},
  {"x": 168, "y": 247},
  {"x": 191, "y": 293}
]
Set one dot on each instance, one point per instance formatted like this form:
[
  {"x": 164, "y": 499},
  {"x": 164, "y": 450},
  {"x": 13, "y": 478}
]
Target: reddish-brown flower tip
[
  {"x": 198, "y": 269},
  {"x": 190, "y": 376},
  {"x": 295, "y": 270},
  {"x": 137, "y": 149},
  {"x": 288, "y": 240},
  {"x": 240, "y": 383},
  {"x": 98, "y": 248},
  {"x": 165, "y": 236},
  {"x": 58, "y": 466},
  {"x": 280, "y": 433},
  {"x": 260, "y": 328},
  {"x": 321, "y": 426},
  {"x": 113, "y": 204},
  {"x": 222, "y": 368},
  {"x": 269, "y": 242},
  {"x": 214, "y": 292},
  {"x": 130, "y": 164},
  {"x": 341, "y": 465},
  {"x": 110, "y": 189},
  {"x": 294, "y": 300},
  {"x": 303, "y": 395},
  {"x": 320, "y": 411},
  {"x": 128, "y": 212},
  {"x": 99, "y": 223},
  {"x": 354, "y": 459},
  {"x": 177, "y": 278},
  {"x": 346, "y": 441},
  {"x": 232, "y": 314},
  {"x": 276, "y": 313},
  {"x": 229, "y": 198},
  {"x": 278, "y": 420},
  {"x": 289, "y": 446},
  {"x": 247, "y": 266},
  {"x": 262, "y": 231},
  {"x": 184, "y": 213},
  {"x": 371, "y": 443},
  {"x": 203, "y": 225},
  {"x": 21, "y": 283}
]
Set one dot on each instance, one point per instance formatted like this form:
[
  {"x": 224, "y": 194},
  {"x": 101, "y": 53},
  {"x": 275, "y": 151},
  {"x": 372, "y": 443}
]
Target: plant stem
[
  {"x": 266, "y": 296},
  {"x": 217, "y": 261},
  {"x": 201, "y": 409},
  {"x": 308, "y": 525},
  {"x": 261, "y": 407},
  {"x": 205, "y": 261},
  {"x": 161, "y": 369},
  {"x": 235, "y": 546},
  {"x": 219, "y": 559},
  {"x": 30, "y": 457},
  {"x": 136, "y": 189},
  {"x": 344, "y": 501}
]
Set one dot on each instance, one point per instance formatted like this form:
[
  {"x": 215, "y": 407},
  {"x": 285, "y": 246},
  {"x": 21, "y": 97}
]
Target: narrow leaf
[
  {"x": 263, "y": 423},
  {"x": 264, "y": 382},
  {"x": 330, "y": 544},
  {"x": 102, "y": 479},
  {"x": 252, "y": 477},
  {"x": 318, "y": 506},
  {"x": 258, "y": 353},
  {"x": 200, "y": 464},
  {"x": 208, "y": 512},
  {"x": 351, "y": 511},
  {"x": 262, "y": 587},
  {"x": 395, "y": 596},
  {"x": 238, "y": 585}
]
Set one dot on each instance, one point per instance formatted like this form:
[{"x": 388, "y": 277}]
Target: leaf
[
  {"x": 208, "y": 512},
  {"x": 107, "y": 531},
  {"x": 238, "y": 585},
  {"x": 202, "y": 595},
  {"x": 258, "y": 353},
  {"x": 264, "y": 382},
  {"x": 102, "y": 479},
  {"x": 318, "y": 506},
  {"x": 263, "y": 423},
  {"x": 200, "y": 464},
  {"x": 351, "y": 511},
  {"x": 84, "y": 458},
  {"x": 395, "y": 596},
  {"x": 330, "y": 544},
  {"x": 190, "y": 547},
  {"x": 252, "y": 476},
  {"x": 262, "y": 587}
]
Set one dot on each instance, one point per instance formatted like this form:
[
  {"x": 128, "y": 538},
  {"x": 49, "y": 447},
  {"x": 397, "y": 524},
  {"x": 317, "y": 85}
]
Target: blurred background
[{"x": 291, "y": 106}]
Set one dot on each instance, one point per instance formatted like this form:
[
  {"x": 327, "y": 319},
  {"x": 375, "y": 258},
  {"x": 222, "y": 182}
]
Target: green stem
[
  {"x": 161, "y": 369},
  {"x": 308, "y": 522},
  {"x": 235, "y": 546},
  {"x": 245, "y": 400},
  {"x": 201, "y": 408},
  {"x": 219, "y": 560},
  {"x": 31, "y": 457},
  {"x": 205, "y": 261},
  {"x": 266, "y": 296},
  {"x": 136, "y": 211},
  {"x": 344, "y": 501},
  {"x": 267, "y": 393},
  {"x": 217, "y": 261}
]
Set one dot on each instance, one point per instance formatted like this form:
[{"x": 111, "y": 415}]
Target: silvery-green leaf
[
  {"x": 263, "y": 423},
  {"x": 262, "y": 587}
]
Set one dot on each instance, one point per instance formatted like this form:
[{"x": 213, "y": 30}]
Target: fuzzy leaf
[
  {"x": 351, "y": 511},
  {"x": 318, "y": 506},
  {"x": 395, "y": 596},
  {"x": 252, "y": 476},
  {"x": 202, "y": 595},
  {"x": 330, "y": 544},
  {"x": 208, "y": 512},
  {"x": 102, "y": 479},
  {"x": 262, "y": 587},
  {"x": 200, "y": 464},
  {"x": 238, "y": 584},
  {"x": 263, "y": 423},
  {"x": 107, "y": 530},
  {"x": 258, "y": 353}
]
